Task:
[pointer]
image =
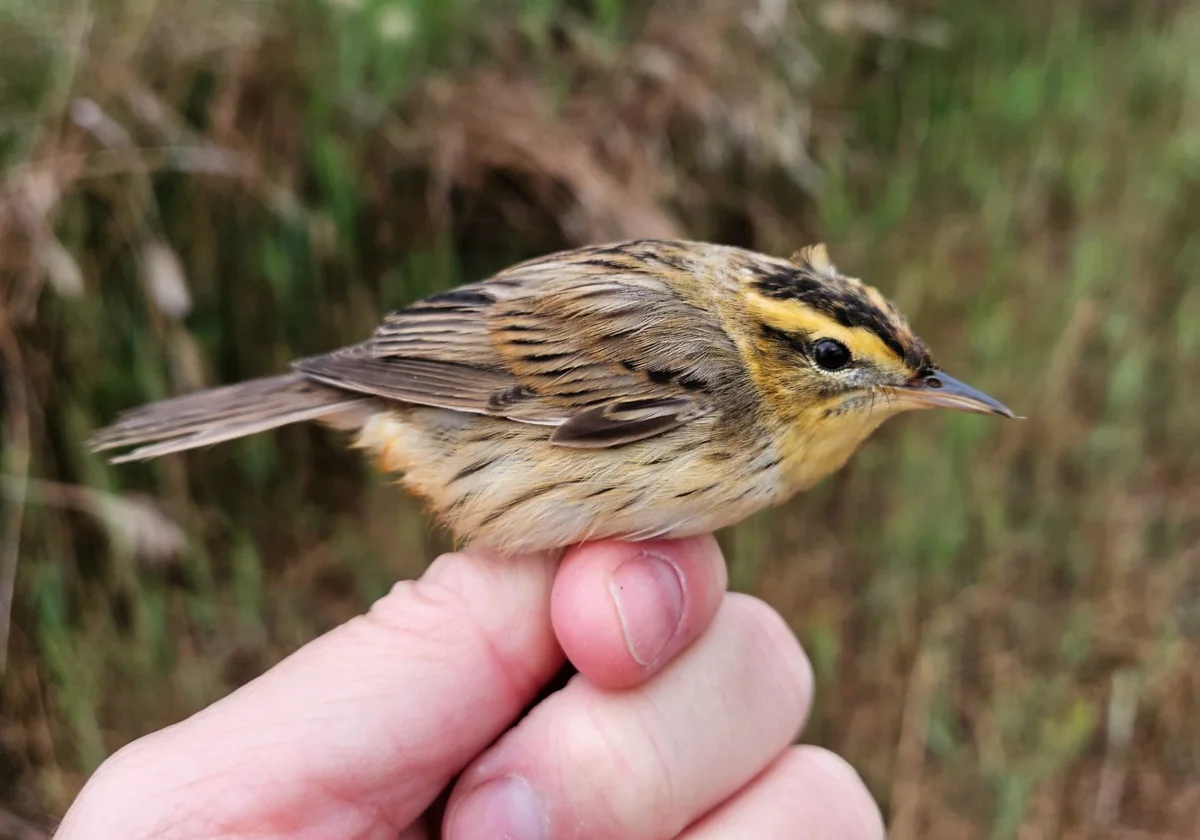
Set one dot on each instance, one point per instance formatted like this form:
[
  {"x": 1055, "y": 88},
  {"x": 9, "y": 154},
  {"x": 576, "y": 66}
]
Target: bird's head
[{"x": 833, "y": 358}]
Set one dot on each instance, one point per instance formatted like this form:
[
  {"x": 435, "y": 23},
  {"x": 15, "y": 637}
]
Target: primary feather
[{"x": 220, "y": 414}]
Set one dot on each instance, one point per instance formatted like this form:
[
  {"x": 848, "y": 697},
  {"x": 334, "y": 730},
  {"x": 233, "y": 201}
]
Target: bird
[{"x": 631, "y": 390}]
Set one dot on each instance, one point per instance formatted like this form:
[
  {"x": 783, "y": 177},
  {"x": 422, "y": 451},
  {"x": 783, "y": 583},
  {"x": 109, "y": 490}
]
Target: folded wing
[{"x": 595, "y": 346}]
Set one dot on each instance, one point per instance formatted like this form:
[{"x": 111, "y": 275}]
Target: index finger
[{"x": 359, "y": 730}]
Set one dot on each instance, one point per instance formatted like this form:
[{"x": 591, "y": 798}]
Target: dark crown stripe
[{"x": 842, "y": 302}]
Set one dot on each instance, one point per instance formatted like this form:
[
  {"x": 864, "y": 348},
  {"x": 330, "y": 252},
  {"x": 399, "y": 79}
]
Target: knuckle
[
  {"x": 453, "y": 608},
  {"x": 134, "y": 760},
  {"x": 609, "y": 779}
]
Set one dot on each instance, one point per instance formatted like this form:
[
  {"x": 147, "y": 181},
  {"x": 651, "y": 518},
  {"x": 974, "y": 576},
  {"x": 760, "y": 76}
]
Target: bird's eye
[{"x": 830, "y": 354}]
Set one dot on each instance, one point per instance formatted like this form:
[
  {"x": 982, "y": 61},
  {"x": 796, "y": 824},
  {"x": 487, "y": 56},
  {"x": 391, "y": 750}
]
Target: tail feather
[{"x": 221, "y": 414}]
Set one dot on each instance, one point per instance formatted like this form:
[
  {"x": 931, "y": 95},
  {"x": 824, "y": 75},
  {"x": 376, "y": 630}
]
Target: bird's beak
[{"x": 937, "y": 390}]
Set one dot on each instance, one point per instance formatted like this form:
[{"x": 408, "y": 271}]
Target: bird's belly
[{"x": 501, "y": 484}]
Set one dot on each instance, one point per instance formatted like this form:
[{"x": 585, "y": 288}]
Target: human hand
[{"x": 677, "y": 725}]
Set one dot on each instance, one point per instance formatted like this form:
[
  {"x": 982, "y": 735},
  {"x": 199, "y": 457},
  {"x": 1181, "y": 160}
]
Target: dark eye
[{"x": 830, "y": 354}]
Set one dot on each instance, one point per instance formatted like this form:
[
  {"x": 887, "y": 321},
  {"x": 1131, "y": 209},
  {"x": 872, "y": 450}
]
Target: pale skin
[{"x": 680, "y": 723}]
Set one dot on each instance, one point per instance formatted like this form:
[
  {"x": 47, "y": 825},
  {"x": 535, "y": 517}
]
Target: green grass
[
  {"x": 989, "y": 606},
  {"x": 1028, "y": 203}
]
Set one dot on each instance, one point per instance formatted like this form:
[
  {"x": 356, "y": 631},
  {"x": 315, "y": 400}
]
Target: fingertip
[
  {"x": 850, "y": 809},
  {"x": 806, "y": 786},
  {"x": 623, "y": 610}
]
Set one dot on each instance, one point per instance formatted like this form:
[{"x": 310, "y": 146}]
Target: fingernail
[
  {"x": 505, "y": 809},
  {"x": 648, "y": 593}
]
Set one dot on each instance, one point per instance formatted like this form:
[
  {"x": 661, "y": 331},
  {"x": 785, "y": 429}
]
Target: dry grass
[{"x": 1004, "y": 617}]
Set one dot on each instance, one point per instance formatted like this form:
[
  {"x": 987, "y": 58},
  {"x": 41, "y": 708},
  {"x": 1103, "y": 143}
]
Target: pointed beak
[{"x": 937, "y": 390}]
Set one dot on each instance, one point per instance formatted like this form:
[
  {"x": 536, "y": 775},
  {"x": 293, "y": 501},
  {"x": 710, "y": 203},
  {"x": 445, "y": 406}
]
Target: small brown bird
[{"x": 635, "y": 390}]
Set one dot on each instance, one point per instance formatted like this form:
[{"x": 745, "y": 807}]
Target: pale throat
[{"x": 815, "y": 446}]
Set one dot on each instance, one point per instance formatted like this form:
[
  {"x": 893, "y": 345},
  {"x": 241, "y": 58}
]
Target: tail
[{"x": 220, "y": 414}]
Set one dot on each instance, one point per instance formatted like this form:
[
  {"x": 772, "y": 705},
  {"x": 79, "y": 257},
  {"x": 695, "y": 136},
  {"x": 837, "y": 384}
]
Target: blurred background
[{"x": 1004, "y": 617}]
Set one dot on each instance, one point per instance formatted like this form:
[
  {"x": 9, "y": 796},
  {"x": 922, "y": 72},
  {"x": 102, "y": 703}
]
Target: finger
[
  {"x": 622, "y": 610},
  {"x": 361, "y": 728},
  {"x": 647, "y": 762},
  {"x": 808, "y": 793},
  {"x": 415, "y": 831}
]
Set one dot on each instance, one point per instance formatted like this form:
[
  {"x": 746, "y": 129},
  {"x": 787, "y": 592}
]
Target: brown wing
[
  {"x": 624, "y": 421},
  {"x": 595, "y": 344}
]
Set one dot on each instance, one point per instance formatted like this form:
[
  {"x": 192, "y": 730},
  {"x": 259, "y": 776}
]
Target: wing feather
[
  {"x": 601, "y": 347},
  {"x": 425, "y": 382},
  {"x": 615, "y": 423}
]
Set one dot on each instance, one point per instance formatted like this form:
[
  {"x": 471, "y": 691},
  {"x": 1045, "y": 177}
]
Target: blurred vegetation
[{"x": 1004, "y": 617}]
